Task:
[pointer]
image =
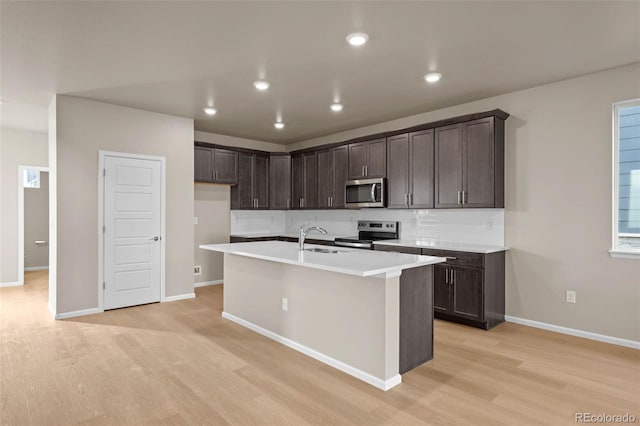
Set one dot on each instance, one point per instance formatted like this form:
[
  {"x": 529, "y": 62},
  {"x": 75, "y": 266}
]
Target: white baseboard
[
  {"x": 178, "y": 297},
  {"x": 206, "y": 283},
  {"x": 346, "y": 368},
  {"x": 80, "y": 313},
  {"x": 35, "y": 268},
  {"x": 573, "y": 332},
  {"x": 10, "y": 284}
]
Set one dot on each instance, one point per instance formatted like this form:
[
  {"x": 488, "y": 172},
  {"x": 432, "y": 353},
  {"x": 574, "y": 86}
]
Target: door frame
[
  {"x": 21, "y": 169},
  {"x": 101, "y": 182}
]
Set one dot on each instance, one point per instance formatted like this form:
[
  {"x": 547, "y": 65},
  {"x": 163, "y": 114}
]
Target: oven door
[{"x": 365, "y": 193}]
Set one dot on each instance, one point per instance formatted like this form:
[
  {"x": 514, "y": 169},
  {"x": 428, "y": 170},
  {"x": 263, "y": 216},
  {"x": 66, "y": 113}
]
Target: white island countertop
[{"x": 363, "y": 263}]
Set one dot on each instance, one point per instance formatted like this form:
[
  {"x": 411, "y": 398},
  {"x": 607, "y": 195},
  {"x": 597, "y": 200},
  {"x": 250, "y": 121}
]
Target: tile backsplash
[{"x": 479, "y": 226}]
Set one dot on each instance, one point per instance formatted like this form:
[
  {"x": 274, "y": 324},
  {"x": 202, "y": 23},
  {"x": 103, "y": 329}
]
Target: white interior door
[{"x": 132, "y": 219}]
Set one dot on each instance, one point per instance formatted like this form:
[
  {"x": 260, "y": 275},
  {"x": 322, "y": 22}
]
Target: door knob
[{"x": 156, "y": 238}]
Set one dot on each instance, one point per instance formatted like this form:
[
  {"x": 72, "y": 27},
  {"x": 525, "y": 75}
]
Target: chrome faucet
[{"x": 304, "y": 232}]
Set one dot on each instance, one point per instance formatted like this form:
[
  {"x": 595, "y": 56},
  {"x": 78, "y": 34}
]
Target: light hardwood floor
[{"x": 180, "y": 363}]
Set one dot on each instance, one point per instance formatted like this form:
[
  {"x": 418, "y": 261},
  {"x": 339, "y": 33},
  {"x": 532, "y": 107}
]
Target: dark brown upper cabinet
[
  {"x": 280, "y": 182},
  {"x": 332, "y": 174},
  {"x": 368, "y": 159},
  {"x": 304, "y": 181},
  {"x": 410, "y": 170},
  {"x": 469, "y": 164},
  {"x": 252, "y": 190},
  {"x": 215, "y": 165}
]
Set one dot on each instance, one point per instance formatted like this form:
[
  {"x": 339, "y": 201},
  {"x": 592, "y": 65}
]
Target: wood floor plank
[{"x": 181, "y": 363}]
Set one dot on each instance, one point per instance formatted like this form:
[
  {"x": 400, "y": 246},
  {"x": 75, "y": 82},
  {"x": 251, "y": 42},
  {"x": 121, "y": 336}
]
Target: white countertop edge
[
  {"x": 470, "y": 248},
  {"x": 311, "y": 236},
  {"x": 389, "y": 272}
]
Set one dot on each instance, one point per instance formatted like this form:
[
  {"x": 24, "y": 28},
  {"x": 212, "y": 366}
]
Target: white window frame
[{"x": 615, "y": 250}]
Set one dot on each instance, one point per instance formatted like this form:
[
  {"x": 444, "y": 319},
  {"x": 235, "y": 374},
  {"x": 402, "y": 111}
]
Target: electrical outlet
[
  {"x": 195, "y": 220},
  {"x": 197, "y": 270},
  {"x": 285, "y": 304},
  {"x": 571, "y": 296}
]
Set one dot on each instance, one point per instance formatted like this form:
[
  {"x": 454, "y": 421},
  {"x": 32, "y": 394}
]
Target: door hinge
[
  {"x": 104, "y": 172},
  {"x": 104, "y": 229},
  {"x": 104, "y": 285}
]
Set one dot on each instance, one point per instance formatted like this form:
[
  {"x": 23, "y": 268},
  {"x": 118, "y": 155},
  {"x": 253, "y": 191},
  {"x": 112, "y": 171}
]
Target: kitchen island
[{"x": 367, "y": 313}]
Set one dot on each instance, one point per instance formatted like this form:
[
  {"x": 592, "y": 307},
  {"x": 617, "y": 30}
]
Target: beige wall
[
  {"x": 238, "y": 142},
  {"x": 558, "y": 201},
  {"x": 17, "y": 147},
  {"x": 352, "y": 319},
  {"x": 36, "y": 224},
  {"x": 83, "y": 129},
  {"x": 212, "y": 208}
]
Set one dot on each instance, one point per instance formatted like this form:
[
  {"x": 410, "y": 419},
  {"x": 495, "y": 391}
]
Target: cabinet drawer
[
  {"x": 398, "y": 249},
  {"x": 459, "y": 258}
]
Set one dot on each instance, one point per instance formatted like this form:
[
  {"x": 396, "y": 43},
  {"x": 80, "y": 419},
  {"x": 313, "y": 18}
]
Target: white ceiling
[{"x": 176, "y": 57}]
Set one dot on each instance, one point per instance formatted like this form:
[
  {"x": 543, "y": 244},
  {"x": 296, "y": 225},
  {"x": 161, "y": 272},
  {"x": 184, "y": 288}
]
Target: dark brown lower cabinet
[
  {"x": 468, "y": 288},
  {"x": 416, "y": 317}
]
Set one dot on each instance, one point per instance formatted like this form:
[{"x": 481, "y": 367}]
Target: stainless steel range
[{"x": 368, "y": 232}]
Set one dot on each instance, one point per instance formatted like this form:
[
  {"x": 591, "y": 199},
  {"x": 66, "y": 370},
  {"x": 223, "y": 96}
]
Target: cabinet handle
[
  {"x": 288, "y": 201},
  {"x": 366, "y": 170},
  {"x": 446, "y": 276},
  {"x": 459, "y": 199},
  {"x": 464, "y": 196},
  {"x": 411, "y": 198},
  {"x": 363, "y": 171},
  {"x": 450, "y": 258},
  {"x": 453, "y": 276},
  {"x": 406, "y": 200}
]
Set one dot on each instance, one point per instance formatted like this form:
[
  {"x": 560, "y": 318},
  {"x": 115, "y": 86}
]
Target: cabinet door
[
  {"x": 466, "y": 298},
  {"x": 325, "y": 179},
  {"x": 280, "y": 182},
  {"x": 376, "y": 159},
  {"x": 261, "y": 181},
  {"x": 297, "y": 181},
  {"x": 225, "y": 166},
  {"x": 310, "y": 181},
  {"x": 203, "y": 164},
  {"x": 397, "y": 171},
  {"x": 448, "y": 166},
  {"x": 242, "y": 193},
  {"x": 478, "y": 164},
  {"x": 421, "y": 169},
  {"x": 441, "y": 300},
  {"x": 357, "y": 160},
  {"x": 340, "y": 176}
]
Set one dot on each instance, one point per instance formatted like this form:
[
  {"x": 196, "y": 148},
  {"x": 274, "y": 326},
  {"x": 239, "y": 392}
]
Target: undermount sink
[{"x": 322, "y": 250}]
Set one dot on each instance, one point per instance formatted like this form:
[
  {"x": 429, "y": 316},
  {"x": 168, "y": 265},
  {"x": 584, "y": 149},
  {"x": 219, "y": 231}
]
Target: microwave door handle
[{"x": 373, "y": 193}]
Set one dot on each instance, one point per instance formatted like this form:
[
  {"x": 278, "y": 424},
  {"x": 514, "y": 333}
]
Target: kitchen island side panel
[{"x": 352, "y": 319}]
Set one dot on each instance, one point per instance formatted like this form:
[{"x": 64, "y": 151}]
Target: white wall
[
  {"x": 17, "y": 147},
  {"x": 238, "y": 142},
  {"x": 36, "y": 224},
  {"x": 211, "y": 205},
  {"x": 558, "y": 201},
  {"x": 83, "y": 128}
]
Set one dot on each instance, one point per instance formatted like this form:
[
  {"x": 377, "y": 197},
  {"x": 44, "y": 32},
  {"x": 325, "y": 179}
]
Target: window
[
  {"x": 31, "y": 178},
  {"x": 626, "y": 178}
]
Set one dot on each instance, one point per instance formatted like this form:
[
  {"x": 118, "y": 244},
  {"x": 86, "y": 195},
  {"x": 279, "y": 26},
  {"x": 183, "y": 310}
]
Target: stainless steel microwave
[{"x": 365, "y": 193}]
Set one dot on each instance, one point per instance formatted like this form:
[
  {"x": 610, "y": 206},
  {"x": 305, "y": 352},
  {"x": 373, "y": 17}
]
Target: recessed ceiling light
[
  {"x": 210, "y": 111},
  {"x": 278, "y": 125},
  {"x": 432, "y": 77},
  {"x": 336, "y": 107},
  {"x": 357, "y": 39},
  {"x": 261, "y": 85}
]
